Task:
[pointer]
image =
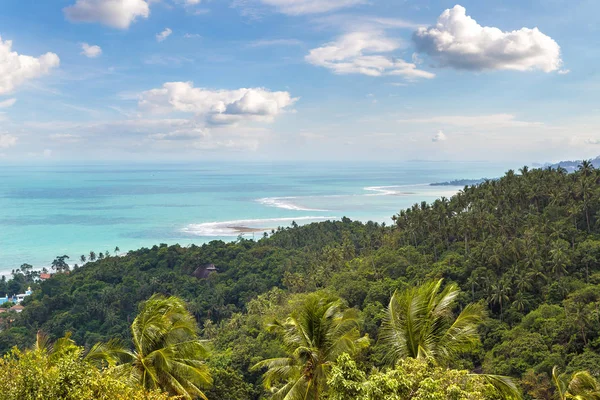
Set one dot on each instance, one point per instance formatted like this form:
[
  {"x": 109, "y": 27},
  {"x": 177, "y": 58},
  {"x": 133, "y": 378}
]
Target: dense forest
[{"x": 518, "y": 259}]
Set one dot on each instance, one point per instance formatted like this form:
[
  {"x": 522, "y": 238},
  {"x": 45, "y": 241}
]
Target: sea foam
[
  {"x": 237, "y": 227},
  {"x": 285, "y": 203}
]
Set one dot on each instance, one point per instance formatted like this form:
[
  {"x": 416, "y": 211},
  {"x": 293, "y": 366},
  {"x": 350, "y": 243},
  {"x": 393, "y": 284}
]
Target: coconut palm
[
  {"x": 420, "y": 324},
  {"x": 314, "y": 336},
  {"x": 167, "y": 351},
  {"x": 579, "y": 386}
]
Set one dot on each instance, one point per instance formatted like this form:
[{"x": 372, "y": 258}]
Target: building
[
  {"x": 17, "y": 298},
  {"x": 17, "y": 308},
  {"x": 205, "y": 271}
]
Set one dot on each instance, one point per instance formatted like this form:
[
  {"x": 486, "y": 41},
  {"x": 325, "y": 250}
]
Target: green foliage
[
  {"x": 420, "y": 324},
  {"x": 167, "y": 353},
  {"x": 411, "y": 379},
  {"x": 60, "y": 371},
  {"x": 526, "y": 247},
  {"x": 314, "y": 336}
]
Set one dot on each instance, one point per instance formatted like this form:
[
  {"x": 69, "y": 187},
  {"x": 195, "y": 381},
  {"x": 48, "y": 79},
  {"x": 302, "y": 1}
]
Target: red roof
[{"x": 45, "y": 276}]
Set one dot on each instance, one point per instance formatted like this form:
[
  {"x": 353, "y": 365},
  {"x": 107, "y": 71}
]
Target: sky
[{"x": 306, "y": 80}]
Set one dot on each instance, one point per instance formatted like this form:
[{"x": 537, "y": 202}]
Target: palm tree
[
  {"x": 420, "y": 324},
  {"x": 117, "y": 250},
  {"x": 167, "y": 350},
  {"x": 92, "y": 256},
  {"x": 579, "y": 386},
  {"x": 314, "y": 336},
  {"x": 499, "y": 296},
  {"x": 82, "y": 258}
]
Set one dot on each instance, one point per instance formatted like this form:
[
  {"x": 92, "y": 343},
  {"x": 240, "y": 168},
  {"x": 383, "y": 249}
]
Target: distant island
[
  {"x": 570, "y": 166},
  {"x": 460, "y": 182}
]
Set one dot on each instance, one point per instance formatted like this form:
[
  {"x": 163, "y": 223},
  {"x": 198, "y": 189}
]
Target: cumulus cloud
[
  {"x": 7, "y": 103},
  {"x": 7, "y": 141},
  {"x": 118, "y": 14},
  {"x": 439, "y": 137},
  {"x": 458, "y": 41},
  {"x": 164, "y": 35},
  {"x": 216, "y": 106},
  {"x": 364, "y": 53},
  {"x": 302, "y": 7},
  {"x": 90, "y": 51},
  {"x": 16, "y": 69}
]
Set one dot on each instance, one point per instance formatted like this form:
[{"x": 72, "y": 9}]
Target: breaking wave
[{"x": 242, "y": 226}]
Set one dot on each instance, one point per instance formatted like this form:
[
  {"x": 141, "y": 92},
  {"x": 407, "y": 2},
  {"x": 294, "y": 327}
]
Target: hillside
[{"x": 526, "y": 246}]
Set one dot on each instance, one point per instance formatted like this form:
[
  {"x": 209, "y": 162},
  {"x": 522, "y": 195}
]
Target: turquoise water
[{"x": 51, "y": 210}]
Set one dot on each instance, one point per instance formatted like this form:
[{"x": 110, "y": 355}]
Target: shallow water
[{"x": 51, "y": 210}]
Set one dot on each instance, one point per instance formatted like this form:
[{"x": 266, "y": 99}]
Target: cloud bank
[
  {"x": 364, "y": 53},
  {"x": 458, "y": 41},
  {"x": 16, "y": 69},
  {"x": 216, "y": 106}
]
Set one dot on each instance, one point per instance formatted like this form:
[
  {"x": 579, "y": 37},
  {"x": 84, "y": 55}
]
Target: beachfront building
[{"x": 17, "y": 298}]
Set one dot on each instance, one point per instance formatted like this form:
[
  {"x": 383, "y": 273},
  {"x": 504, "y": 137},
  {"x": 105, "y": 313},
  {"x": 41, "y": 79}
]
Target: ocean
[{"x": 53, "y": 210}]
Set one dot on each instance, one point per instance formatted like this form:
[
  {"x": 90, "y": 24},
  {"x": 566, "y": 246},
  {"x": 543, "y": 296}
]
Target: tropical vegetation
[{"x": 519, "y": 257}]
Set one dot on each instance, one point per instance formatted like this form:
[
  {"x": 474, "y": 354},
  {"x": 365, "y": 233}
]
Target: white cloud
[
  {"x": 7, "y": 103},
  {"x": 7, "y": 141},
  {"x": 439, "y": 137},
  {"x": 364, "y": 53},
  {"x": 192, "y": 2},
  {"x": 16, "y": 69},
  {"x": 458, "y": 41},
  {"x": 301, "y": 7},
  {"x": 91, "y": 51},
  {"x": 564, "y": 71},
  {"x": 192, "y": 36},
  {"x": 216, "y": 106},
  {"x": 114, "y": 13},
  {"x": 164, "y": 35},
  {"x": 475, "y": 121},
  {"x": 592, "y": 141}
]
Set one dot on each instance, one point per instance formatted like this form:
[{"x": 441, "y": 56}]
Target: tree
[
  {"x": 168, "y": 353},
  {"x": 413, "y": 379},
  {"x": 60, "y": 370},
  {"x": 59, "y": 264},
  {"x": 579, "y": 386},
  {"x": 82, "y": 258},
  {"x": 92, "y": 256},
  {"x": 117, "y": 250},
  {"x": 314, "y": 337},
  {"x": 420, "y": 324}
]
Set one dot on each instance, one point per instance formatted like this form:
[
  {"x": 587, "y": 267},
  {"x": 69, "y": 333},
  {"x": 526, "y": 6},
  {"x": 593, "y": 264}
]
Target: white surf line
[
  {"x": 232, "y": 228},
  {"x": 282, "y": 202}
]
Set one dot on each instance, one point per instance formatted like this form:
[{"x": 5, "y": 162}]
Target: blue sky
[{"x": 299, "y": 80}]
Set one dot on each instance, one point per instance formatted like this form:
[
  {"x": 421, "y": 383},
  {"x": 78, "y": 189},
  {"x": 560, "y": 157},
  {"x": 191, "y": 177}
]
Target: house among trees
[
  {"x": 17, "y": 308},
  {"x": 204, "y": 271},
  {"x": 44, "y": 276}
]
